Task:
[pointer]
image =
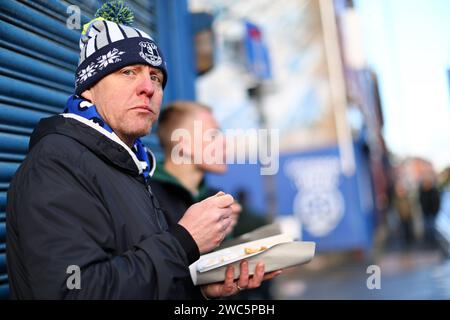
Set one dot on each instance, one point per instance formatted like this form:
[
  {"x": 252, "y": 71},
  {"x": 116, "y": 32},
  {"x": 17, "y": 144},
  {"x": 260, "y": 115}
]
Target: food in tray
[
  {"x": 227, "y": 256},
  {"x": 254, "y": 250}
]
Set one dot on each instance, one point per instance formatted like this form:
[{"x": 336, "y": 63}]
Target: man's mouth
[{"x": 144, "y": 108}]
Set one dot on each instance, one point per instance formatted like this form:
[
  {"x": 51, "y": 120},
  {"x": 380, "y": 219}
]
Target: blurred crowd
[{"x": 416, "y": 194}]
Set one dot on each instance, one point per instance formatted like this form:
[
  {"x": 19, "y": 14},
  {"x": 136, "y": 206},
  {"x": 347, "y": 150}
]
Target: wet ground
[{"x": 407, "y": 272}]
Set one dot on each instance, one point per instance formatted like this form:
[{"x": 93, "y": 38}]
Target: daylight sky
[{"x": 407, "y": 42}]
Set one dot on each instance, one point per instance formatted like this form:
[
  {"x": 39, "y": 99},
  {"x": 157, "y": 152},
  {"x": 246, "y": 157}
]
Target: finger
[
  {"x": 243, "y": 278},
  {"x": 228, "y": 284},
  {"x": 226, "y": 223},
  {"x": 272, "y": 275},
  {"x": 236, "y": 208},
  {"x": 231, "y": 226},
  {"x": 222, "y": 237},
  {"x": 224, "y": 201},
  {"x": 257, "y": 278},
  {"x": 218, "y": 194},
  {"x": 229, "y": 275},
  {"x": 233, "y": 222}
]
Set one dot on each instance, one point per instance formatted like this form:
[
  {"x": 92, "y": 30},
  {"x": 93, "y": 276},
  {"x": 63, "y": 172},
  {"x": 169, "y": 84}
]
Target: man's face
[
  {"x": 129, "y": 100},
  {"x": 213, "y": 144}
]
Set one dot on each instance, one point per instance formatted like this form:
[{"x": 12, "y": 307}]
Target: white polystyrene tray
[{"x": 229, "y": 255}]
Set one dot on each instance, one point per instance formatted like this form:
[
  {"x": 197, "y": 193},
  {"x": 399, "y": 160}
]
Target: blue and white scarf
[{"x": 82, "y": 110}]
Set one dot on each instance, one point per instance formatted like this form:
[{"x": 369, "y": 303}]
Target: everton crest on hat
[{"x": 108, "y": 43}]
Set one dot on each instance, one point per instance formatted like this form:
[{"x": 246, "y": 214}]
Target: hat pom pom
[{"x": 116, "y": 11}]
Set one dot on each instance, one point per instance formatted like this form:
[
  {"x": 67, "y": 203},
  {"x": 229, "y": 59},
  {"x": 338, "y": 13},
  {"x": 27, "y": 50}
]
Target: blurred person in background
[
  {"x": 179, "y": 185},
  {"x": 430, "y": 199},
  {"x": 403, "y": 206},
  {"x": 444, "y": 179}
]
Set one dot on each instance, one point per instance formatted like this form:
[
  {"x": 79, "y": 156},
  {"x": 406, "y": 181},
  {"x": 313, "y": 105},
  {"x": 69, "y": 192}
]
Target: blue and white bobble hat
[{"x": 108, "y": 44}]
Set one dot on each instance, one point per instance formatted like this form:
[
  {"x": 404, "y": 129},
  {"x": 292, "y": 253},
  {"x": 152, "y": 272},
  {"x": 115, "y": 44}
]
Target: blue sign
[
  {"x": 257, "y": 53},
  {"x": 334, "y": 211}
]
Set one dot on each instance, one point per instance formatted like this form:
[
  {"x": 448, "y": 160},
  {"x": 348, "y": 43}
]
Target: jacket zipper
[{"x": 154, "y": 204}]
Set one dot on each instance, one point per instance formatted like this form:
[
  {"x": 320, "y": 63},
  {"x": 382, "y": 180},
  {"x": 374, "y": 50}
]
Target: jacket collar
[{"x": 105, "y": 145}]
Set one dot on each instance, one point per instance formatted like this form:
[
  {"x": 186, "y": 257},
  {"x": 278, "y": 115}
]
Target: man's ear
[{"x": 87, "y": 94}]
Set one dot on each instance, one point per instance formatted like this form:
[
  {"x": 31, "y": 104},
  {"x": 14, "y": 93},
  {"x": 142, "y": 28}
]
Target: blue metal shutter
[{"x": 38, "y": 57}]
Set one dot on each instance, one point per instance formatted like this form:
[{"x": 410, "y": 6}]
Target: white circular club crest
[
  {"x": 149, "y": 52},
  {"x": 319, "y": 212}
]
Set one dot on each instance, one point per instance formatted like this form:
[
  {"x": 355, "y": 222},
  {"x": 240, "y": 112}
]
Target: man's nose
[{"x": 146, "y": 86}]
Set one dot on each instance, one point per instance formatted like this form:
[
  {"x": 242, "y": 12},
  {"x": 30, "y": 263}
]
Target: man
[
  {"x": 187, "y": 130},
  {"x": 430, "y": 201},
  {"x": 82, "y": 221},
  {"x": 179, "y": 181}
]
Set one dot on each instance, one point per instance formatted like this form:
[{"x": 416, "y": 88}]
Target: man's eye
[
  {"x": 156, "y": 78},
  {"x": 128, "y": 72}
]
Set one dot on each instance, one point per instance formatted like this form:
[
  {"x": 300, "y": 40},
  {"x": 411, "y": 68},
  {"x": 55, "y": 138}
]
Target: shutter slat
[
  {"x": 24, "y": 91},
  {"x": 22, "y": 41},
  {"x": 14, "y": 129},
  {"x": 2, "y": 232},
  {"x": 28, "y": 104},
  {"x": 51, "y": 8},
  {"x": 13, "y": 143},
  {"x": 7, "y": 171},
  {"x": 39, "y": 23},
  {"x": 21, "y": 117},
  {"x": 3, "y": 201},
  {"x": 10, "y": 157},
  {"x": 37, "y": 71},
  {"x": 30, "y": 79},
  {"x": 3, "y": 263}
]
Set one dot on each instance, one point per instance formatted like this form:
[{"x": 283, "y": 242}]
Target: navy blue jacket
[{"x": 78, "y": 199}]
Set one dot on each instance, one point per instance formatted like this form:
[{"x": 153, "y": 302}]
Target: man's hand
[
  {"x": 235, "y": 212},
  {"x": 230, "y": 287},
  {"x": 208, "y": 220}
]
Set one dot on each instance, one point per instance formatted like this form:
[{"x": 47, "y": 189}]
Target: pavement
[{"x": 414, "y": 272}]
